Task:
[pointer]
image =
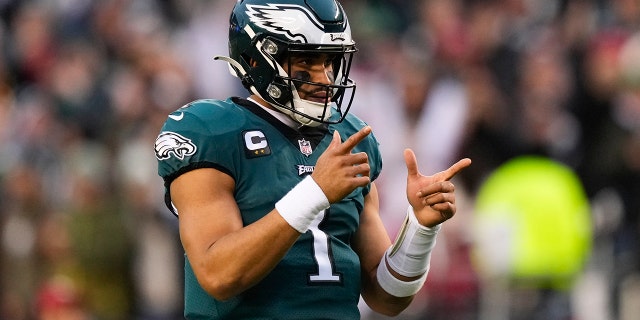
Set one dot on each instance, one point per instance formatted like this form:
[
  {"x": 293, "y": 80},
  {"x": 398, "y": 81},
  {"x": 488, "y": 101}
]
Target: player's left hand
[{"x": 432, "y": 197}]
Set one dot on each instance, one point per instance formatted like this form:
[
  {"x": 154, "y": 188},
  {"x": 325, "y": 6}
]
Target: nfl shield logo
[{"x": 305, "y": 147}]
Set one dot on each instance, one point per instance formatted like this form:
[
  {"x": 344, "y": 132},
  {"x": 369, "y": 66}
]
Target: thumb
[{"x": 412, "y": 163}]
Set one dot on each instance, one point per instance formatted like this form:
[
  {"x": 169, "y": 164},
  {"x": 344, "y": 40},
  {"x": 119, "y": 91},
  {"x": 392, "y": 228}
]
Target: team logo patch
[
  {"x": 255, "y": 143},
  {"x": 170, "y": 143},
  {"x": 305, "y": 147}
]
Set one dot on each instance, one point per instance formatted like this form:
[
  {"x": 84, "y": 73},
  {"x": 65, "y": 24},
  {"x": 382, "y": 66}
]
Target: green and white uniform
[{"x": 319, "y": 278}]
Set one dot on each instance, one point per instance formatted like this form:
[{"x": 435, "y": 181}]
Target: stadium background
[{"x": 85, "y": 86}]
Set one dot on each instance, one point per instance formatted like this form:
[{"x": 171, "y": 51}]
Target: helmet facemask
[{"x": 283, "y": 92}]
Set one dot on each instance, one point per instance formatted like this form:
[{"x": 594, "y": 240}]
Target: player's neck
[{"x": 278, "y": 115}]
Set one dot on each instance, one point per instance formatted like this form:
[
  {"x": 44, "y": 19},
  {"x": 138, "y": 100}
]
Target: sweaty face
[{"x": 311, "y": 74}]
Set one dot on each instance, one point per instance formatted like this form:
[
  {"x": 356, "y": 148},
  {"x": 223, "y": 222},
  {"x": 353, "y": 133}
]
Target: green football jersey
[{"x": 319, "y": 278}]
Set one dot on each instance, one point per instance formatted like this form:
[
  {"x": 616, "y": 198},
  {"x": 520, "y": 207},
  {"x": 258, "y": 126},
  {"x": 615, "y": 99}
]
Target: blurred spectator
[
  {"x": 99, "y": 234},
  {"x": 58, "y": 299}
]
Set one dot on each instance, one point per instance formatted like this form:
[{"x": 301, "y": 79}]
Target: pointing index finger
[
  {"x": 354, "y": 139},
  {"x": 453, "y": 170}
]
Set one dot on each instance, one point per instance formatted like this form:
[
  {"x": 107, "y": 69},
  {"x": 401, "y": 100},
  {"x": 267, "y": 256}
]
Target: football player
[{"x": 275, "y": 193}]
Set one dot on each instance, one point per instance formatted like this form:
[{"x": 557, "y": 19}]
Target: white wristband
[
  {"x": 410, "y": 255},
  {"x": 395, "y": 286},
  {"x": 300, "y": 206}
]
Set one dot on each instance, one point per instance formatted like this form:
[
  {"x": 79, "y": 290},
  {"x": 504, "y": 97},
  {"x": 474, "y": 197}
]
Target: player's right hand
[{"x": 339, "y": 171}]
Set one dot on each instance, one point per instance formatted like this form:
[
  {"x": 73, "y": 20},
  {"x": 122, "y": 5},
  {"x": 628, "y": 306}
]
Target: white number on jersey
[{"x": 322, "y": 254}]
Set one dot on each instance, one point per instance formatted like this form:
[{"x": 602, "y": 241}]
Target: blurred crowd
[{"x": 85, "y": 86}]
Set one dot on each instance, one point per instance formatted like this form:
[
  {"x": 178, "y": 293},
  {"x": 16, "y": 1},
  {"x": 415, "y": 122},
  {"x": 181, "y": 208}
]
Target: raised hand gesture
[
  {"x": 432, "y": 197},
  {"x": 339, "y": 171}
]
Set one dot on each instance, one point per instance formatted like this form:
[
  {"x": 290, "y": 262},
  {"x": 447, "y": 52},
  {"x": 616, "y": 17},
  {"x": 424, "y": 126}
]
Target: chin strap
[
  {"x": 303, "y": 106},
  {"x": 237, "y": 70},
  {"x": 307, "y": 107}
]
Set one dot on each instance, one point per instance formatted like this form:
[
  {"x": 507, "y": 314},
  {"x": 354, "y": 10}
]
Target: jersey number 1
[{"x": 322, "y": 254}]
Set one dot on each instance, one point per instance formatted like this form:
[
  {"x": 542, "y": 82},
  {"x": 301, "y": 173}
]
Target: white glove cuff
[
  {"x": 300, "y": 206},
  {"x": 410, "y": 255},
  {"x": 395, "y": 286}
]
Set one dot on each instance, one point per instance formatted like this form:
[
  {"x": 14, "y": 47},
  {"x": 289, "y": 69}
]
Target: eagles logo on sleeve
[{"x": 169, "y": 143}]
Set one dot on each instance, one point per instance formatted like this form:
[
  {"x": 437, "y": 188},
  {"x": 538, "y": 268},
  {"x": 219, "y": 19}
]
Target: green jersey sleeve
[{"x": 192, "y": 137}]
